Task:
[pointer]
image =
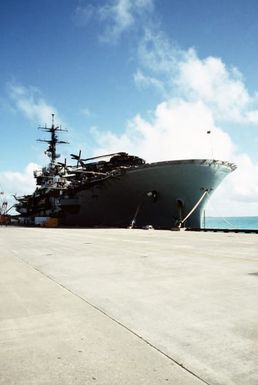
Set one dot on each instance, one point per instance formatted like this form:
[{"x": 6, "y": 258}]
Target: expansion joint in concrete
[{"x": 121, "y": 324}]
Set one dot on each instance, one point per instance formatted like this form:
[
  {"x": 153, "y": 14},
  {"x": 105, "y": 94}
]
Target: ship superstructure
[{"x": 120, "y": 190}]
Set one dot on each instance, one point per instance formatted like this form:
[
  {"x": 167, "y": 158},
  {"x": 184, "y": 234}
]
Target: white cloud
[
  {"x": 29, "y": 101},
  {"x": 158, "y": 56},
  {"x": 221, "y": 88},
  {"x": 20, "y": 183},
  {"x": 180, "y": 73},
  {"x": 178, "y": 130},
  {"x": 116, "y": 16},
  {"x": 144, "y": 81},
  {"x": 24, "y": 181},
  {"x": 238, "y": 194}
]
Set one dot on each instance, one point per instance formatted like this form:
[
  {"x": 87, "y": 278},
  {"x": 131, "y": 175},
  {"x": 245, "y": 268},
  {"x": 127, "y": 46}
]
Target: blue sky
[{"x": 149, "y": 77}]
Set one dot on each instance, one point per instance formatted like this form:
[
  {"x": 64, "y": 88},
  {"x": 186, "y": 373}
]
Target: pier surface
[{"x": 128, "y": 307}]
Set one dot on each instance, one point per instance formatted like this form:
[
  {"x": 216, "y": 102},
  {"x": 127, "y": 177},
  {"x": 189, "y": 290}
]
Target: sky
[{"x": 149, "y": 77}]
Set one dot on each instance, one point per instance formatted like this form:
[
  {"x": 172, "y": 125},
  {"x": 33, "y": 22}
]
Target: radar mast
[{"x": 53, "y": 141}]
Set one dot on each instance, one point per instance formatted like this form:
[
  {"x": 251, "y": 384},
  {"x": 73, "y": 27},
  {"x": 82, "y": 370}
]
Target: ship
[{"x": 119, "y": 190}]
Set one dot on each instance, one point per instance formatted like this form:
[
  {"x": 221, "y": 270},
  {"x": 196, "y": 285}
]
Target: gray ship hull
[{"x": 158, "y": 194}]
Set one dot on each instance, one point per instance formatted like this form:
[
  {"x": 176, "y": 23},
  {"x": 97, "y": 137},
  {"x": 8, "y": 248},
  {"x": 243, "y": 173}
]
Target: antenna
[
  {"x": 209, "y": 132},
  {"x": 53, "y": 141}
]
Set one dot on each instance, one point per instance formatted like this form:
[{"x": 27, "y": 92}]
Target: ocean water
[{"x": 250, "y": 223}]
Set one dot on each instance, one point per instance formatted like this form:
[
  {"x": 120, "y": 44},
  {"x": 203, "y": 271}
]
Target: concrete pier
[{"x": 128, "y": 307}]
